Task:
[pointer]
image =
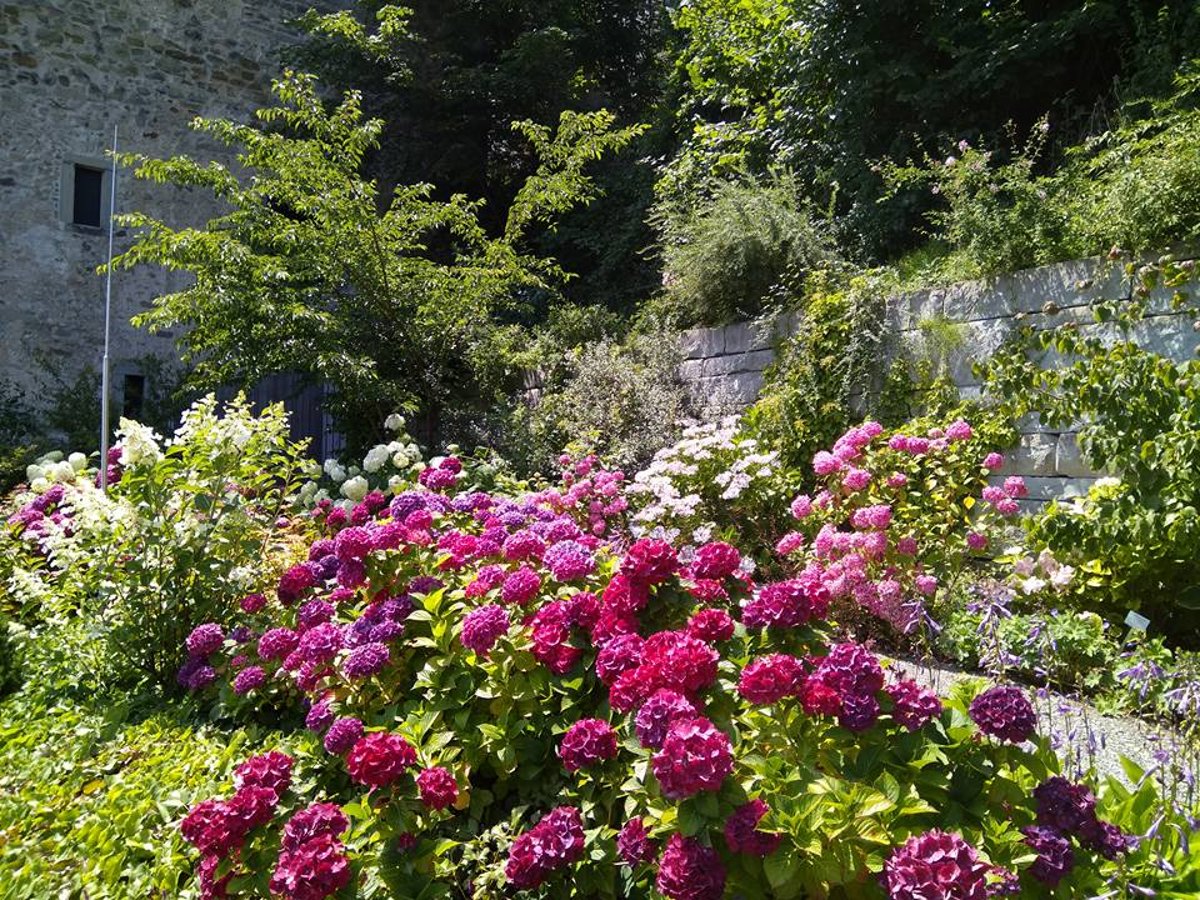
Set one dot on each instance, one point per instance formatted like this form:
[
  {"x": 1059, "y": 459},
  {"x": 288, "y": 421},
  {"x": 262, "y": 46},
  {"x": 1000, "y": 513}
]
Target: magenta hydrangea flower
[
  {"x": 586, "y": 743},
  {"x": 294, "y": 582},
  {"x": 787, "y": 604},
  {"x": 676, "y": 660},
  {"x": 1064, "y": 806},
  {"x": 1004, "y": 712},
  {"x": 314, "y": 821},
  {"x": 569, "y": 561},
  {"x": 205, "y": 640},
  {"x": 959, "y": 430},
  {"x": 742, "y": 834},
  {"x": 690, "y": 871},
  {"x": 278, "y": 643},
  {"x": 711, "y": 625},
  {"x": 634, "y": 845},
  {"x": 316, "y": 869},
  {"x": 649, "y": 561},
  {"x": 695, "y": 756},
  {"x": 483, "y": 627},
  {"x": 252, "y": 603},
  {"x": 716, "y": 560},
  {"x": 523, "y": 545},
  {"x": 342, "y": 735},
  {"x": 768, "y": 679},
  {"x": 520, "y": 586},
  {"x": 938, "y": 866},
  {"x": 314, "y": 613},
  {"x": 553, "y": 843},
  {"x": 802, "y": 507},
  {"x": 319, "y": 716},
  {"x": 437, "y": 787},
  {"x": 622, "y": 653},
  {"x": 655, "y": 716},
  {"x": 320, "y": 643},
  {"x": 913, "y": 705},
  {"x": 993, "y": 461},
  {"x": 1055, "y": 857},
  {"x": 366, "y": 660},
  {"x": 379, "y": 759},
  {"x": 249, "y": 679},
  {"x": 271, "y": 770}
]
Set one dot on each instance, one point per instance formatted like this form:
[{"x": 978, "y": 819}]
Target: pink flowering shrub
[{"x": 517, "y": 693}]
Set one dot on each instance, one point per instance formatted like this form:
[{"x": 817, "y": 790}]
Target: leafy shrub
[
  {"x": 999, "y": 215},
  {"x": 531, "y": 701},
  {"x": 1139, "y": 411},
  {"x": 623, "y": 401},
  {"x": 1138, "y": 185},
  {"x": 743, "y": 250},
  {"x": 187, "y": 524}
]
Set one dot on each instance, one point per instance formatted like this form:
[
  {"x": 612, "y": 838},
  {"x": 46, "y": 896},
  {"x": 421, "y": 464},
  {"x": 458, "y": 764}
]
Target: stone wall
[
  {"x": 69, "y": 72},
  {"x": 730, "y": 361}
]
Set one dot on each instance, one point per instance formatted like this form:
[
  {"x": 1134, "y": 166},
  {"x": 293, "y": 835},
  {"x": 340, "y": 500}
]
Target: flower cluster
[
  {"x": 554, "y": 843},
  {"x": 1004, "y": 712},
  {"x": 936, "y": 865}
]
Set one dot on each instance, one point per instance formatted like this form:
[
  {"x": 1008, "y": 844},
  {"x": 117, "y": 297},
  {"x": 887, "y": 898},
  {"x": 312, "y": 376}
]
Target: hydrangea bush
[{"x": 515, "y": 694}]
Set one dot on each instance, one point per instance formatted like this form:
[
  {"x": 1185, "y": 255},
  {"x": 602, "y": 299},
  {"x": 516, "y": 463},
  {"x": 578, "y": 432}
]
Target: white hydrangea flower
[
  {"x": 139, "y": 444},
  {"x": 375, "y": 459},
  {"x": 33, "y": 472},
  {"x": 395, "y": 484},
  {"x": 355, "y": 488},
  {"x": 335, "y": 470},
  {"x": 400, "y": 459},
  {"x": 40, "y": 485},
  {"x": 78, "y": 462},
  {"x": 394, "y": 422}
]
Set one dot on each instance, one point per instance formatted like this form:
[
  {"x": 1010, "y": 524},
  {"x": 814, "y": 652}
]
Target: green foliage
[
  {"x": 828, "y": 366},
  {"x": 1140, "y": 417},
  {"x": 741, "y": 251},
  {"x": 1138, "y": 185},
  {"x": 90, "y": 798},
  {"x": 622, "y": 401},
  {"x": 184, "y": 532},
  {"x": 996, "y": 213},
  {"x": 394, "y": 308}
]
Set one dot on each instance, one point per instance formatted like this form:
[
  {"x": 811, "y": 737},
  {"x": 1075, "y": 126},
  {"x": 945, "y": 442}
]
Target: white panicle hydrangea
[
  {"x": 78, "y": 462},
  {"x": 375, "y": 459},
  {"x": 27, "y": 589},
  {"x": 139, "y": 444},
  {"x": 394, "y": 422},
  {"x": 355, "y": 488},
  {"x": 335, "y": 470}
]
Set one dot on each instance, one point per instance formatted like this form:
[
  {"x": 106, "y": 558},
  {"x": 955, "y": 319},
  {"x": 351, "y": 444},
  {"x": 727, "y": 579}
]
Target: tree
[{"x": 394, "y": 301}]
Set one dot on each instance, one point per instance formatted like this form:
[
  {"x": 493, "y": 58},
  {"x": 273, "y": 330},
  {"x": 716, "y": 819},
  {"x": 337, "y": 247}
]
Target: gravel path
[{"x": 1069, "y": 722}]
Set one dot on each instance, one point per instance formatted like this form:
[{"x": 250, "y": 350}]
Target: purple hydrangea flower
[
  {"x": 1004, "y": 712},
  {"x": 365, "y": 661},
  {"x": 249, "y": 679},
  {"x": 205, "y": 640},
  {"x": 342, "y": 735}
]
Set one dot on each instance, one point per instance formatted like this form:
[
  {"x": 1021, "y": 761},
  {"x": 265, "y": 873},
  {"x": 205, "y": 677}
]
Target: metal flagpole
[{"x": 112, "y": 211}]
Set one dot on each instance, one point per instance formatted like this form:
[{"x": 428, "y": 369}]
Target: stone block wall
[
  {"x": 730, "y": 361},
  {"x": 69, "y": 72}
]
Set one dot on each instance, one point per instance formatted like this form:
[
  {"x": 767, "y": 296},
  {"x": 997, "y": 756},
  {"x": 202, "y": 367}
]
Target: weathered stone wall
[
  {"x": 69, "y": 71},
  {"x": 730, "y": 361}
]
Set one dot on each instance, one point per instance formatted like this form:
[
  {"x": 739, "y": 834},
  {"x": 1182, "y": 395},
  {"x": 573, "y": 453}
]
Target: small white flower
[
  {"x": 394, "y": 422},
  {"x": 1031, "y": 585}
]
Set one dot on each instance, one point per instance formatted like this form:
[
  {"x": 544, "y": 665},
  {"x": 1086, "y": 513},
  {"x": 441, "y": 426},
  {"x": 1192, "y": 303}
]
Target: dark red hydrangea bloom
[
  {"x": 520, "y": 586},
  {"x": 586, "y": 743},
  {"x": 1004, "y": 712},
  {"x": 787, "y": 604},
  {"x": 818, "y": 698},
  {"x": 483, "y": 627},
  {"x": 913, "y": 705},
  {"x": 551, "y": 633},
  {"x": 294, "y": 582},
  {"x": 1064, "y": 806},
  {"x": 690, "y": 871},
  {"x": 1105, "y": 838},
  {"x": 711, "y": 625},
  {"x": 249, "y": 808},
  {"x": 437, "y": 787},
  {"x": 316, "y": 869},
  {"x": 270, "y": 770},
  {"x": 769, "y": 679},
  {"x": 611, "y": 623},
  {"x": 379, "y": 759},
  {"x": 1055, "y": 857},
  {"x": 553, "y": 843},
  {"x": 634, "y": 845},
  {"x": 585, "y": 610},
  {"x": 936, "y": 866},
  {"x": 676, "y": 660},
  {"x": 649, "y": 561},
  {"x": 278, "y": 643},
  {"x": 656, "y": 715},
  {"x": 622, "y": 653},
  {"x": 716, "y": 560},
  {"x": 209, "y": 829},
  {"x": 851, "y": 669},
  {"x": 624, "y": 595},
  {"x": 313, "y": 821},
  {"x": 742, "y": 834},
  {"x": 342, "y": 735},
  {"x": 631, "y": 689},
  {"x": 695, "y": 756},
  {"x": 211, "y": 887}
]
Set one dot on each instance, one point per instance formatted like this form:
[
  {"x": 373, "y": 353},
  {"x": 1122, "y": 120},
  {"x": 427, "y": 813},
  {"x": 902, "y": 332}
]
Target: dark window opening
[
  {"x": 88, "y": 189},
  {"x": 133, "y": 396}
]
